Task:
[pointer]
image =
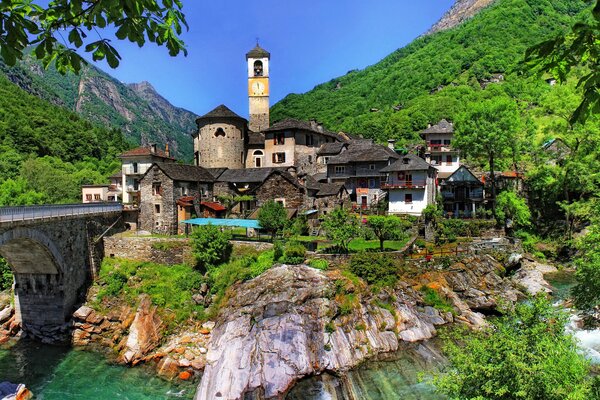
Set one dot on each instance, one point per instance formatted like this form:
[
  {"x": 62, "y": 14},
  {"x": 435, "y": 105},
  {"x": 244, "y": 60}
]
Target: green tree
[
  {"x": 272, "y": 217},
  {"x": 24, "y": 23},
  {"x": 6, "y": 275},
  {"x": 488, "y": 130},
  {"x": 586, "y": 292},
  {"x": 17, "y": 193},
  {"x": 376, "y": 269},
  {"x": 341, "y": 227},
  {"x": 386, "y": 228},
  {"x": 563, "y": 53},
  {"x": 210, "y": 246},
  {"x": 525, "y": 355},
  {"x": 510, "y": 205}
]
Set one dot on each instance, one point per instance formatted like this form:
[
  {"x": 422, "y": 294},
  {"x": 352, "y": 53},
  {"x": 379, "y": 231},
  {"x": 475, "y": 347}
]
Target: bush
[
  {"x": 210, "y": 246},
  {"x": 318, "y": 264},
  {"x": 377, "y": 269},
  {"x": 278, "y": 250},
  {"x": 294, "y": 253},
  {"x": 6, "y": 276},
  {"x": 433, "y": 299}
]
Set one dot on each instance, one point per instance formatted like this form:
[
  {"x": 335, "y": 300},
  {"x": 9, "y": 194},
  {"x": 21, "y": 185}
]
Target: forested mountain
[
  {"x": 138, "y": 110},
  {"x": 428, "y": 79},
  {"x": 47, "y": 151}
]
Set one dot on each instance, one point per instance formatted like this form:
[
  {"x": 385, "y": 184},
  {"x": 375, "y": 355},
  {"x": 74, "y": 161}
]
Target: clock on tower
[{"x": 258, "y": 88}]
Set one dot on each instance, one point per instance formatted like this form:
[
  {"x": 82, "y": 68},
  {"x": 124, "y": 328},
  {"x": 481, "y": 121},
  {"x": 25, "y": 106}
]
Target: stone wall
[
  {"x": 278, "y": 187},
  {"x": 218, "y": 151},
  {"x": 168, "y": 251}
]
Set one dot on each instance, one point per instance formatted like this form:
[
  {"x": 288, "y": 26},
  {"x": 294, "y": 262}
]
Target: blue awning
[
  {"x": 310, "y": 212},
  {"x": 244, "y": 223}
]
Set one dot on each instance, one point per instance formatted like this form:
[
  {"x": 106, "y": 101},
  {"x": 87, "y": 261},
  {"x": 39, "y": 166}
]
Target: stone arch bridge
[{"x": 54, "y": 252}]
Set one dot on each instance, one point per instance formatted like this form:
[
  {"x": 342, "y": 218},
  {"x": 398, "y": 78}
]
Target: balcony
[
  {"x": 438, "y": 147},
  {"x": 415, "y": 184}
]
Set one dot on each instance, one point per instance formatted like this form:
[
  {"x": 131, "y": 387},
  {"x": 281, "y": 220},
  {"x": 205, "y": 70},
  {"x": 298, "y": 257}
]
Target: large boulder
[{"x": 144, "y": 333}]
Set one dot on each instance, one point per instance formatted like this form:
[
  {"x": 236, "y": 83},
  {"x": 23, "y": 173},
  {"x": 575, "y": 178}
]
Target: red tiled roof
[
  {"x": 145, "y": 151},
  {"x": 186, "y": 201},
  {"x": 213, "y": 206}
]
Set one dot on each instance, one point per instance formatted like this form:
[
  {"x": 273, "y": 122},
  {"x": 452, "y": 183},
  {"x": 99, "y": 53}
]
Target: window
[
  {"x": 156, "y": 189},
  {"x": 197, "y": 157},
  {"x": 97, "y": 197},
  {"x": 372, "y": 183},
  {"x": 340, "y": 169},
  {"x": 184, "y": 190},
  {"x": 436, "y": 160},
  {"x": 447, "y": 142},
  {"x": 405, "y": 161},
  {"x": 279, "y": 138},
  {"x": 325, "y": 160},
  {"x": 220, "y": 132},
  {"x": 88, "y": 197},
  {"x": 408, "y": 198},
  {"x": 278, "y": 158},
  {"x": 448, "y": 160},
  {"x": 157, "y": 208},
  {"x": 310, "y": 159},
  {"x": 310, "y": 140},
  {"x": 135, "y": 168},
  {"x": 136, "y": 185},
  {"x": 258, "y": 68},
  {"x": 280, "y": 201},
  {"x": 372, "y": 167},
  {"x": 257, "y": 162}
]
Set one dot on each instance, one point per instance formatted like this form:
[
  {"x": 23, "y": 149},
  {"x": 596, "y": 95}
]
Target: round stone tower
[{"x": 220, "y": 140}]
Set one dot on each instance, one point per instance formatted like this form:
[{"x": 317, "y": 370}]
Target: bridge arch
[{"x": 30, "y": 251}]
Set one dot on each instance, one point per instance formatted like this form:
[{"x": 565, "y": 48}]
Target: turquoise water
[{"x": 61, "y": 373}]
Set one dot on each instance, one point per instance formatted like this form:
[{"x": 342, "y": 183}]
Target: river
[{"x": 63, "y": 373}]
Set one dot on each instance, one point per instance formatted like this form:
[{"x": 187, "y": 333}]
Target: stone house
[
  {"x": 358, "y": 166},
  {"x": 295, "y": 143},
  {"x": 162, "y": 186},
  {"x": 324, "y": 197},
  {"x": 134, "y": 164},
  {"x": 412, "y": 185}
]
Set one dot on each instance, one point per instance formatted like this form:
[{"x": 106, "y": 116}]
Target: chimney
[
  {"x": 392, "y": 144},
  {"x": 167, "y": 150},
  {"x": 313, "y": 124},
  {"x": 153, "y": 148},
  {"x": 428, "y": 126}
]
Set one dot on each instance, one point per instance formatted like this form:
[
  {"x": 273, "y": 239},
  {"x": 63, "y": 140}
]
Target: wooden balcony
[{"x": 420, "y": 184}]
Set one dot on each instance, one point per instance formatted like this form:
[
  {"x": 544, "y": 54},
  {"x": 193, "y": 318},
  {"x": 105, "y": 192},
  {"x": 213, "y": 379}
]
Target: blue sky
[{"x": 310, "y": 41}]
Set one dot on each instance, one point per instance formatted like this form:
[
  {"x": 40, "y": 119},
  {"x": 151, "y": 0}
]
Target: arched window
[
  {"x": 219, "y": 132},
  {"x": 258, "y": 68},
  {"x": 258, "y": 153}
]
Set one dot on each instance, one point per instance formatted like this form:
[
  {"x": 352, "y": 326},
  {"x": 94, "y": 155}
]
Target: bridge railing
[{"x": 23, "y": 213}]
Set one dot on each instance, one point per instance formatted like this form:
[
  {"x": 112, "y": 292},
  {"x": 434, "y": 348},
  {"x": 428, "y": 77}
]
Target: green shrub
[
  {"x": 330, "y": 327},
  {"x": 377, "y": 269},
  {"x": 319, "y": 264},
  {"x": 432, "y": 298},
  {"x": 210, "y": 246},
  {"x": 6, "y": 275},
  {"x": 294, "y": 253},
  {"x": 278, "y": 250}
]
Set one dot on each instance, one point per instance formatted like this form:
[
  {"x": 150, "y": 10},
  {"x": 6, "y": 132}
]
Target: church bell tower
[{"x": 258, "y": 88}]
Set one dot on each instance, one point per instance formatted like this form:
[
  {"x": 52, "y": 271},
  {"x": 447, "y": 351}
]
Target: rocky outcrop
[
  {"x": 288, "y": 323},
  {"x": 531, "y": 276},
  {"x": 459, "y": 13},
  {"x": 144, "y": 333}
]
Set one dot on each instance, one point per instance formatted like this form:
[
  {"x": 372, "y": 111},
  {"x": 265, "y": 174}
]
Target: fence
[{"x": 24, "y": 213}]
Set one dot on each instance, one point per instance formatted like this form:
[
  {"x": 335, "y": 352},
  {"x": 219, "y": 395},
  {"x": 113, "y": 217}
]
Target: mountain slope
[
  {"x": 379, "y": 100},
  {"x": 138, "y": 110},
  {"x": 461, "y": 11}
]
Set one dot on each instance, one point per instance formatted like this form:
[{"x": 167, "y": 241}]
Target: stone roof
[
  {"x": 258, "y": 52},
  {"x": 145, "y": 151},
  {"x": 186, "y": 173},
  {"x": 216, "y": 172},
  {"x": 331, "y": 148},
  {"x": 311, "y": 126},
  {"x": 441, "y": 127},
  {"x": 330, "y": 189},
  {"x": 363, "y": 151},
  {"x": 221, "y": 112},
  {"x": 247, "y": 175},
  {"x": 409, "y": 162},
  {"x": 256, "y": 139}
]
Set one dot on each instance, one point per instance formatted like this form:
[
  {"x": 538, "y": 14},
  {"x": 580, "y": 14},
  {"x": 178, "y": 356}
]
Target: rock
[
  {"x": 82, "y": 313},
  {"x": 202, "y": 350},
  {"x": 80, "y": 338},
  {"x": 5, "y": 314},
  {"x": 204, "y": 331},
  {"x": 531, "y": 277},
  {"x": 210, "y": 325},
  {"x": 203, "y": 288},
  {"x": 144, "y": 333},
  {"x": 198, "y": 299},
  {"x": 94, "y": 318},
  {"x": 184, "y": 362},
  {"x": 198, "y": 364},
  {"x": 168, "y": 368},
  {"x": 514, "y": 260}
]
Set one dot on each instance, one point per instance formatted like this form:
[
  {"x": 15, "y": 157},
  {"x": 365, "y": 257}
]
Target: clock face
[{"x": 258, "y": 88}]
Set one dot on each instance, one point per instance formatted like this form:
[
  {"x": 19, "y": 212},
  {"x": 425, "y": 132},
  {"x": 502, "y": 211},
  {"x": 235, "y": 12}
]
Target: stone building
[
  {"x": 439, "y": 151},
  {"x": 358, "y": 166},
  {"x": 134, "y": 164},
  {"x": 221, "y": 139},
  {"x": 162, "y": 186}
]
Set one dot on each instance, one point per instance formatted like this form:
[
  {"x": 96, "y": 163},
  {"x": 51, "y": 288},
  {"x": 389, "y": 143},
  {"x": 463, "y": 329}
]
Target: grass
[
  {"x": 169, "y": 287},
  {"x": 432, "y": 298}
]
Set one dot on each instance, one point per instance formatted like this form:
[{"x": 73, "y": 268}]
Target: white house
[
  {"x": 411, "y": 184},
  {"x": 135, "y": 163},
  {"x": 439, "y": 151}
]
